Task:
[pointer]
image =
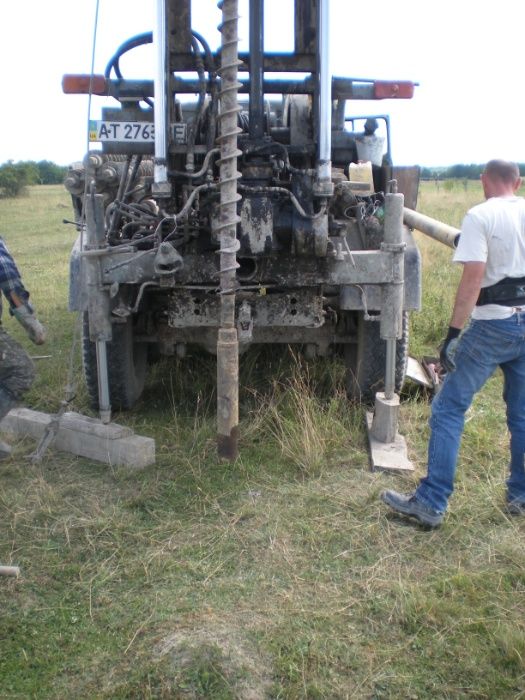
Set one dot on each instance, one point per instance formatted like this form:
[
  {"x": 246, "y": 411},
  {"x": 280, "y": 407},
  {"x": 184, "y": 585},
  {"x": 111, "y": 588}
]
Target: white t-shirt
[{"x": 494, "y": 233}]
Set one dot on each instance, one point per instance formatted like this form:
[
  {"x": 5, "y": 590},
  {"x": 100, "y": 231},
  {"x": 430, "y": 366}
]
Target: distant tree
[
  {"x": 50, "y": 173},
  {"x": 31, "y": 170},
  {"x": 473, "y": 171},
  {"x": 435, "y": 173},
  {"x": 15, "y": 177},
  {"x": 455, "y": 171},
  {"x": 459, "y": 171}
]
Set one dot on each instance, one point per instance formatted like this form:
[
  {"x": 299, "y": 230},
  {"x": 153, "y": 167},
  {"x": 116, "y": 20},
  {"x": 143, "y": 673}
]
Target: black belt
[{"x": 510, "y": 291}]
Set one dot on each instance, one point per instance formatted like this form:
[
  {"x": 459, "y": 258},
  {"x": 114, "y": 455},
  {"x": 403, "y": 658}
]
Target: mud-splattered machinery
[{"x": 225, "y": 207}]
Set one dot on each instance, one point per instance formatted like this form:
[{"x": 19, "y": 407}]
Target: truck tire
[
  {"x": 365, "y": 361},
  {"x": 127, "y": 365}
]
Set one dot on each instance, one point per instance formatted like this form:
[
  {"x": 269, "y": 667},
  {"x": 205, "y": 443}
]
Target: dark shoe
[
  {"x": 516, "y": 507},
  {"x": 407, "y": 504},
  {"x": 5, "y": 450}
]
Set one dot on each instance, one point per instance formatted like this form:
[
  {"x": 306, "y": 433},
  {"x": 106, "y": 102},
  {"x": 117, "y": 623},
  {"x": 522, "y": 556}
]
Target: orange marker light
[{"x": 84, "y": 84}]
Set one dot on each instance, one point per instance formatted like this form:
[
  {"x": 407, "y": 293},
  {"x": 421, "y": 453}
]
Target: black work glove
[{"x": 448, "y": 349}]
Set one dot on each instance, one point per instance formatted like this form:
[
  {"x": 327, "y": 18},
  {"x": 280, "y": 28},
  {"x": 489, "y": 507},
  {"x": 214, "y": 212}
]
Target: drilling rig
[{"x": 222, "y": 207}]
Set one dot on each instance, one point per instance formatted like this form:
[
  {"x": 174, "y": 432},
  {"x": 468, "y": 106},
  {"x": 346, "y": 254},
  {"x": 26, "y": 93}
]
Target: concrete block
[
  {"x": 387, "y": 456},
  {"x": 386, "y": 412},
  {"x": 84, "y": 436}
]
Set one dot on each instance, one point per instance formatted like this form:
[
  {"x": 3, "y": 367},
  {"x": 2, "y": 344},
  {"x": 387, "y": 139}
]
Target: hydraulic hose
[
  {"x": 190, "y": 156},
  {"x": 138, "y": 40},
  {"x": 292, "y": 197}
]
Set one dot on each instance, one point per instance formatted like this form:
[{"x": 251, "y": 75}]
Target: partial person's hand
[
  {"x": 448, "y": 349},
  {"x": 34, "y": 329}
]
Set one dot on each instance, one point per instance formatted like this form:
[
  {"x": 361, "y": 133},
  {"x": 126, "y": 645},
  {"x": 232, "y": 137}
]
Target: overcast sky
[{"x": 467, "y": 57}]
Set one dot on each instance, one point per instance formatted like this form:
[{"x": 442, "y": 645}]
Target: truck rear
[{"x": 225, "y": 207}]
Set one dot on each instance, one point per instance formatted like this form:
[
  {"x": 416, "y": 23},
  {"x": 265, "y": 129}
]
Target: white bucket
[{"x": 370, "y": 148}]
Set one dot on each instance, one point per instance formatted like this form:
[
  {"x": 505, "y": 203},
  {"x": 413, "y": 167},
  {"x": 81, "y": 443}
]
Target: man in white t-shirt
[{"x": 491, "y": 293}]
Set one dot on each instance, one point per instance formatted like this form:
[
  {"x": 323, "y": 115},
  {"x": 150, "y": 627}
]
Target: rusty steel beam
[{"x": 305, "y": 26}]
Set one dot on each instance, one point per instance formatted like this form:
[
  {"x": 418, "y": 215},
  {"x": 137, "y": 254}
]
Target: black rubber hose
[
  {"x": 133, "y": 43},
  {"x": 147, "y": 38},
  {"x": 207, "y": 51}
]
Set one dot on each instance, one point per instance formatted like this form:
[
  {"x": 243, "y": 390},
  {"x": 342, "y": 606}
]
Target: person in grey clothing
[{"x": 17, "y": 371}]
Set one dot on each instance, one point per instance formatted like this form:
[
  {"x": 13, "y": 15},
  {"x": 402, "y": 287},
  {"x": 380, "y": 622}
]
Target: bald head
[
  {"x": 500, "y": 178},
  {"x": 504, "y": 170}
]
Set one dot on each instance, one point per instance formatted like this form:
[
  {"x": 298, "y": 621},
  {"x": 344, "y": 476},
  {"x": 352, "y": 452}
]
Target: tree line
[
  {"x": 15, "y": 177},
  {"x": 460, "y": 171}
]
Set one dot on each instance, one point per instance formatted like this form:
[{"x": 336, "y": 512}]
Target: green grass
[{"x": 281, "y": 576}]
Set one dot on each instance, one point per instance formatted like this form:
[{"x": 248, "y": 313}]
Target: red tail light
[{"x": 388, "y": 89}]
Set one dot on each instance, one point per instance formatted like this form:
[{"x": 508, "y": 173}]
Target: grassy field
[{"x": 281, "y": 576}]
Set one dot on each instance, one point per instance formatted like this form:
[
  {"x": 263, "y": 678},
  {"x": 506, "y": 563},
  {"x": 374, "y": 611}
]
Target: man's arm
[
  {"x": 10, "y": 280},
  {"x": 18, "y": 297},
  {"x": 466, "y": 296},
  {"x": 14, "y": 299},
  {"x": 467, "y": 292}
]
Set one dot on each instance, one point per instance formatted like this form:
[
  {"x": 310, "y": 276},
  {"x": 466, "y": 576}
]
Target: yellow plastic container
[{"x": 361, "y": 178}]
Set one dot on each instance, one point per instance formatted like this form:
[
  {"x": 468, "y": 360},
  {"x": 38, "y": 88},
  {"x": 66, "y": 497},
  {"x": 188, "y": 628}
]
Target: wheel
[
  {"x": 366, "y": 360},
  {"x": 127, "y": 364}
]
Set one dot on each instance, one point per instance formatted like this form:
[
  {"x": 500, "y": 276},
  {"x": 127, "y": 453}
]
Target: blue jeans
[{"x": 483, "y": 347}]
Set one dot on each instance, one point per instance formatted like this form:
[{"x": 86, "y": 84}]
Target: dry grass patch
[{"x": 217, "y": 660}]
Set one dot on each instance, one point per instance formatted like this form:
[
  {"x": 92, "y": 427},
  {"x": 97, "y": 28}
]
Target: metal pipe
[
  {"x": 394, "y": 210},
  {"x": 115, "y": 218},
  {"x": 393, "y": 293},
  {"x": 227, "y": 341},
  {"x": 104, "y": 405},
  {"x": 100, "y": 330},
  {"x": 448, "y": 235},
  {"x": 324, "y": 165},
  {"x": 160, "y": 106},
  {"x": 256, "y": 108},
  {"x": 390, "y": 368}
]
